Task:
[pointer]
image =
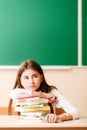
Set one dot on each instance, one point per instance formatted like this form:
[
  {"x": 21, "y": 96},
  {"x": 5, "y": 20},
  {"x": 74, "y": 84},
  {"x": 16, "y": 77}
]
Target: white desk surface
[{"x": 14, "y": 121}]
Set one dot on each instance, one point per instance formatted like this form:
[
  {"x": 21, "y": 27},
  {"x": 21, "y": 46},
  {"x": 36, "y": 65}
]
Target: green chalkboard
[
  {"x": 43, "y": 30},
  {"x": 84, "y": 32}
]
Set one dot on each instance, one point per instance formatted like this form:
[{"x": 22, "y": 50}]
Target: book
[
  {"x": 31, "y": 101},
  {"x": 34, "y": 115},
  {"x": 32, "y": 106},
  {"x": 32, "y": 109},
  {"x": 30, "y": 118}
]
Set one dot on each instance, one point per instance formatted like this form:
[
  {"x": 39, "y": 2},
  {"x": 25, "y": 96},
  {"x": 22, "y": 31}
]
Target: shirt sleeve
[
  {"x": 63, "y": 103},
  {"x": 14, "y": 92}
]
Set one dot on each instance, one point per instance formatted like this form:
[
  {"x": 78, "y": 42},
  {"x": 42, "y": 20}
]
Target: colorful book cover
[
  {"x": 31, "y": 101},
  {"x": 23, "y": 109}
]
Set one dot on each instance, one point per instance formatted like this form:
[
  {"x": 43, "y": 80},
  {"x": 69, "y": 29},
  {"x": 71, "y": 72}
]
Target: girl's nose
[{"x": 31, "y": 80}]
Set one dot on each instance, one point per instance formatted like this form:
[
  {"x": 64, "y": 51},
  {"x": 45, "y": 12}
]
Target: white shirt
[
  {"x": 14, "y": 92},
  {"x": 63, "y": 103}
]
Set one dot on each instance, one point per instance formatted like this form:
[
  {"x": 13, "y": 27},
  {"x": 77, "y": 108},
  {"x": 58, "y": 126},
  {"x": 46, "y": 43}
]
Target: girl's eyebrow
[
  {"x": 36, "y": 74},
  {"x": 26, "y": 76},
  {"x": 32, "y": 75}
]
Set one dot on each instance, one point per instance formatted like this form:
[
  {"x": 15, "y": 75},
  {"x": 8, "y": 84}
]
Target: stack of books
[{"x": 32, "y": 107}]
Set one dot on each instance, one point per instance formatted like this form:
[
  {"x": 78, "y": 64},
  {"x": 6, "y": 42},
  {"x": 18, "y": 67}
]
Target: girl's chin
[{"x": 32, "y": 89}]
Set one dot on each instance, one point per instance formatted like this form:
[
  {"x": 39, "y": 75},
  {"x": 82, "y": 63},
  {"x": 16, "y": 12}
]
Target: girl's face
[{"x": 31, "y": 79}]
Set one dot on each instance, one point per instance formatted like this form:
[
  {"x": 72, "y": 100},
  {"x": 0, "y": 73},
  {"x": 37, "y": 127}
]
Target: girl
[{"x": 31, "y": 81}]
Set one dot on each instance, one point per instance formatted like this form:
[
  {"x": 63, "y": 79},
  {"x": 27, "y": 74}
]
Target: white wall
[{"x": 72, "y": 83}]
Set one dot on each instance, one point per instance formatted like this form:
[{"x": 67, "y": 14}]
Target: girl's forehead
[{"x": 29, "y": 71}]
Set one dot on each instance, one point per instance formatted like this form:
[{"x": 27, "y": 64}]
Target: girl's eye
[
  {"x": 35, "y": 76},
  {"x": 26, "y": 77}
]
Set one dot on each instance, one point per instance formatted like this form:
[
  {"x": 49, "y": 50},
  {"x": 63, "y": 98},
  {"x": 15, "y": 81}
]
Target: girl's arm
[
  {"x": 53, "y": 118},
  {"x": 24, "y": 93},
  {"x": 20, "y": 93},
  {"x": 51, "y": 97},
  {"x": 70, "y": 111}
]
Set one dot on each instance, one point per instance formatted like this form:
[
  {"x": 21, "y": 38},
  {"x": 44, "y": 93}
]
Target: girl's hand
[
  {"x": 51, "y": 118},
  {"x": 52, "y": 98}
]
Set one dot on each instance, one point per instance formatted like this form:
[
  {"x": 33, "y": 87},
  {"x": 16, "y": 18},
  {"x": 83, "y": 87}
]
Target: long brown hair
[{"x": 29, "y": 64}]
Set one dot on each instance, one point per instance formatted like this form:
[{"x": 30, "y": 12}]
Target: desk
[{"x": 14, "y": 123}]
